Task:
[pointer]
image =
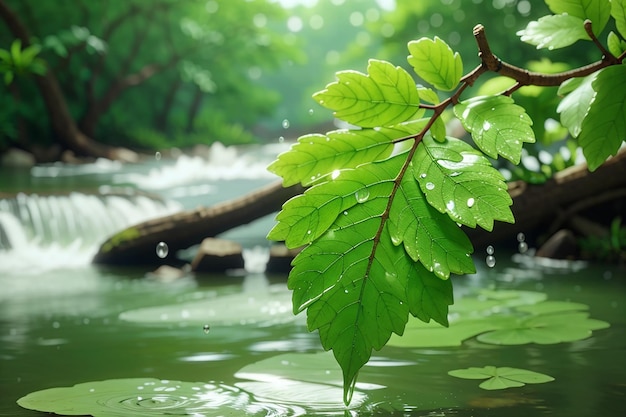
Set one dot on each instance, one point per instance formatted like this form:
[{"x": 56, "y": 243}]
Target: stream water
[{"x": 228, "y": 345}]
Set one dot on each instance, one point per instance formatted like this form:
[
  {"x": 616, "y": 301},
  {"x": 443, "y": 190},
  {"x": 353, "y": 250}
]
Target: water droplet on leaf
[
  {"x": 430, "y": 186},
  {"x": 470, "y": 202},
  {"x": 162, "y": 250},
  {"x": 362, "y": 195},
  {"x": 486, "y": 125},
  {"x": 423, "y": 175}
]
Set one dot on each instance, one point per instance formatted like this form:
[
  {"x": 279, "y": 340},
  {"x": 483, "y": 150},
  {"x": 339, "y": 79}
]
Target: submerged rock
[{"x": 218, "y": 255}]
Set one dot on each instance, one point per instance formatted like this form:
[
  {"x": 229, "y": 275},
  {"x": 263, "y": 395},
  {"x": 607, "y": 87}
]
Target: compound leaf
[
  {"x": 460, "y": 181},
  {"x": 602, "y": 130},
  {"x": 554, "y": 31},
  {"x": 356, "y": 284},
  {"x": 498, "y": 126},
  {"x": 387, "y": 95},
  {"x": 598, "y": 11},
  {"x": 435, "y": 62}
]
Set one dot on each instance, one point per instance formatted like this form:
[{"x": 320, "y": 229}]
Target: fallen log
[
  {"x": 546, "y": 206},
  {"x": 137, "y": 244}
]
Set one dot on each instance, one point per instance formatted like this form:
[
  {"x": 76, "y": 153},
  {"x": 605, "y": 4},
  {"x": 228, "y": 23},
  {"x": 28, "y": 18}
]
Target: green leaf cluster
[
  {"x": 18, "y": 61},
  {"x": 381, "y": 219}
]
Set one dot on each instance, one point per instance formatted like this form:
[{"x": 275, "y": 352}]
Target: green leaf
[
  {"x": 438, "y": 130},
  {"x": 598, "y": 11},
  {"x": 554, "y": 31},
  {"x": 497, "y": 124},
  {"x": 565, "y": 326},
  {"x": 428, "y": 95},
  {"x": 386, "y": 96},
  {"x": 306, "y": 217},
  {"x": 357, "y": 285},
  {"x": 615, "y": 45},
  {"x": 317, "y": 156},
  {"x": 574, "y": 107},
  {"x": 311, "y": 380},
  {"x": 458, "y": 180},
  {"x": 603, "y": 130},
  {"x": 501, "y": 378},
  {"x": 428, "y": 235},
  {"x": 435, "y": 62},
  {"x": 618, "y": 12}
]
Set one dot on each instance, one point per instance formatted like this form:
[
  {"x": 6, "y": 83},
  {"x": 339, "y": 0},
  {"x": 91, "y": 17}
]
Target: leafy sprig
[{"x": 381, "y": 217}]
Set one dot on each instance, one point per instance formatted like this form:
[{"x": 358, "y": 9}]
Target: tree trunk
[
  {"x": 61, "y": 121},
  {"x": 194, "y": 108}
]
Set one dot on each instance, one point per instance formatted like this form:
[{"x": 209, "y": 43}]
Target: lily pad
[
  {"x": 545, "y": 329},
  {"x": 138, "y": 397},
  {"x": 312, "y": 380},
  {"x": 418, "y": 334},
  {"x": 501, "y": 378},
  {"x": 262, "y": 309}
]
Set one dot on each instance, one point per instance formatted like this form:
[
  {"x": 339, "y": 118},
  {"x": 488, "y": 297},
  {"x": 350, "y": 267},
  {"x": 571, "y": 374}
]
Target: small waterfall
[{"x": 49, "y": 231}]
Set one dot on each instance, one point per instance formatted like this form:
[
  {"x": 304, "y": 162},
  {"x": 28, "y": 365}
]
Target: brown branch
[
  {"x": 605, "y": 53},
  {"x": 525, "y": 77}
]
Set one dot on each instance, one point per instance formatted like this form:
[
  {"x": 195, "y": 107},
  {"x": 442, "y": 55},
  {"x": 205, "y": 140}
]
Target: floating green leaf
[
  {"x": 387, "y": 95},
  {"x": 598, "y": 11},
  {"x": 435, "y": 62},
  {"x": 554, "y": 31},
  {"x": 142, "y": 397},
  {"x": 574, "y": 107},
  {"x": 458, "y": 180},
  {"x": 316, "y": 156},
  {"x": 603, "y": 130},
  {"x": 502, "y": 377},
  {"x": 251, "y": 309},
  {"x": 618, "y": 12},
  {"x": 545, "y": 329},
  {"x": 497, "y": 124}
]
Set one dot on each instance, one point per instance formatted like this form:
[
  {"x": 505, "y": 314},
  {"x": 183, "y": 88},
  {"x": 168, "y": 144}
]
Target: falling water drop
[
  {"x": 311, "y": 112},
  {"x": 162, "y": 250},
  {"x": 430, "y": 186},
  {"x": 157, "y": 156},
  {"x": 470, "y": 202},
  {"x": 206, "y": 328},
  {"x": 362, "y": 195},
  {"x": 285, "y": 124},
  {"x": 281, "y": 139},
  {"x": 522, "y": 245},
  {"x": 490, "y": 260}
]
